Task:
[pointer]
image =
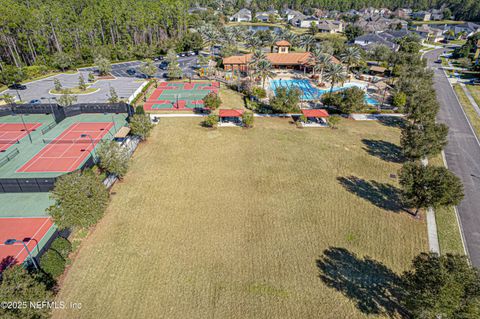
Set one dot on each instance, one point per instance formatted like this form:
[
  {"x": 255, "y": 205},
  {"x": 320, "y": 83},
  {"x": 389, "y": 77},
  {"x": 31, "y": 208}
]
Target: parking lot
[{"x": 120, "y": 69}]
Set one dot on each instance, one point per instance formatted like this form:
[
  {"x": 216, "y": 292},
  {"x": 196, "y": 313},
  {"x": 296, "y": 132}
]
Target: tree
[
  {"x": 307, "y": 41},
  {"x": 263, "y": 69},
  {"x": 62, "y": 60},
  {"x": 347, "y": 101},
  {"x": 247, "y": 119},
  {"x": 351, "y": 56},
  {"x": 399, "y": 100},
  {"x": 212, "y": 101},
  {"x": 141, "y": 125},
  {"x": 62, "y": 246},
  {"x": 81, "y": 83},
  {"x": 52, "y": 263},
  {"x": 91, "y": 77},
  {"x": 335, "y": 74},
  {"x": 113, "y": 98},
  {"x": 113, "y": 158},
  {"x": 17, "y": 284},
  {"x": 8, "y": 98},
  {"x": 10, "y": 74},
  {"x": 173, "y": 70},
  {"x": 211, "y": 121},
  {"x": 80, "y": 200},
  {"x": 313, "y": 28},
  {"x": 67, "y": 99},
  {"x": 352, "y": 31},
  {"x": 103, "y": 65},
  {"x": 320, "y": 62},
  {"x": 148, "y": 68},
  {"x": 333, "y": 121},
  {"x": 421, "y": 141},
  {"x": 380, "y": 52},
  {"x": 429, "y": 186},
  {"x": 444, "y": 286},
  {"x": 140, "y": 110},
  {"x": 285, "y": 100},
  {"x": 57, "y": 85}
]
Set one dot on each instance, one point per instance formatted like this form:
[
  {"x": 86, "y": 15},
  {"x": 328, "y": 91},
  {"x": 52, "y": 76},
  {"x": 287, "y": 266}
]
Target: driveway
[
  {"x": 124, "y": 86},
  {"x": 463, "y": 156}
]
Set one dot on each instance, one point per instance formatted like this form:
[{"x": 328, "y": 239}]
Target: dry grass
[
  {"x": 231, "y": 223},
  {"x": 475, "y": 91},
  {"x": 231, "y": 99}
]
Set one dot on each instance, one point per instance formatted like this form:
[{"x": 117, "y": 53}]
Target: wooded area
[{"x": 62, "y": 31}]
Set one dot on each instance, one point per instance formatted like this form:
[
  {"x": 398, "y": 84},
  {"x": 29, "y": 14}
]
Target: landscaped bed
[{"x": 232, "y": 224}]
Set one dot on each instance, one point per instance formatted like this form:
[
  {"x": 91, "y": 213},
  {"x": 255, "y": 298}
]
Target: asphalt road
[{"x": 463, "y": 156}]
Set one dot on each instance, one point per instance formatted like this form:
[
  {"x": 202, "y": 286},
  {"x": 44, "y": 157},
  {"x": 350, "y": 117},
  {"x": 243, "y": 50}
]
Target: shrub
[
  {"x": 141, "y": 125},
  {"x": 62, "y": 246},
  {"x": 52, "y": 263},
  {"x": 139, "y": 110},
  {"x": 333, "y": 121},
  {"x": 210, "y": 121},
  {"x": 247, "y": 119}
]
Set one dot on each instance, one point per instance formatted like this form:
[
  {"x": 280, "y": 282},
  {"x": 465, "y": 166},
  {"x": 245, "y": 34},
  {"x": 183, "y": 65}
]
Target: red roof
[
  {"x": 231, "y": 113},
  {"x": 315, "y": 113},
  {"x": 282, "y": 43}
]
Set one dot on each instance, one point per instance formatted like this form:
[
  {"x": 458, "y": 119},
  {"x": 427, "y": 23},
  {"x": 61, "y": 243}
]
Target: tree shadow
[
  {"x": 391, "y": 121},
  {"x": 7, "y": 262},
  {"x": 382, "y": 195},
  {"x": 375, "y": 289},
  {"x": 387, "y": 151}
]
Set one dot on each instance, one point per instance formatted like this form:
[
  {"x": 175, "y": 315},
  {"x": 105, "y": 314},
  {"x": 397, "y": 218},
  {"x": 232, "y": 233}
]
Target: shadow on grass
[
  {"x": 385, "y": 150},
  {"x": 375, "y": 289},
  {"x": 382, "y": 195},
  {"x": 392, "y": 121}
]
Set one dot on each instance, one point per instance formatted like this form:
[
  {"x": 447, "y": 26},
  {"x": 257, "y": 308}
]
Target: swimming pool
[{"x": 312, "y": 93}]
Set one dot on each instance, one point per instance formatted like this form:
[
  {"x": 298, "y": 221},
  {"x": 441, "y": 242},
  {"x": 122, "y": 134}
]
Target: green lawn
[
  {"x": 234, "y": 223},
  {"x": 438, "y": 22},
  {"x": 230, "y": 98},
  {"x": 468, "y": 108},
  {"x": 475, "y": 91}
]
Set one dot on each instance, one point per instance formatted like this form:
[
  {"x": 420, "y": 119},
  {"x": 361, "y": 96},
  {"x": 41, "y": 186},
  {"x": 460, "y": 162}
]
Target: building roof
[
  {"x": 376, "y": 68},
  {"x": 122, "y": 132},
  {"x": 315, "y": 113},
  {"x": 282, "y": 43},
  {"x": 292, "y": 58},
  {"x": 230, "y": 113}
]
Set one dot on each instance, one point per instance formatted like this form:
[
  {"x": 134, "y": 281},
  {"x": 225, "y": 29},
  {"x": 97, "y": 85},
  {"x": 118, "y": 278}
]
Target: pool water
[{"x": 313, "y": 93}]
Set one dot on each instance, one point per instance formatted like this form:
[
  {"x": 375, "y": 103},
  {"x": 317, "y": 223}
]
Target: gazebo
[
  {"x": 230, "y": 117},
  {"x": 315, "y": 117}
]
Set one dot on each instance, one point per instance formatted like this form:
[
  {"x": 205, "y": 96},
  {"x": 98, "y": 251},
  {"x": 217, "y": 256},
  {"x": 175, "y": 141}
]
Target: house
[
  {"x": 429, "y": 33},
  {"x": 282, "y": 59},
  {"x": 436, "y": 14},
  {"x": 368, "y": 41},
  {"x": 265, "y": 16},
  {"x": 421, "y": 16},
  {"x": 290, "y": 14},
  {"x": 330, "y": 26},
  {"x": 244, "y": 15},
  {"x": 402, "y": 13},
  {"x": 307, "y": 22},
  {"x": 468, "y": 28}
]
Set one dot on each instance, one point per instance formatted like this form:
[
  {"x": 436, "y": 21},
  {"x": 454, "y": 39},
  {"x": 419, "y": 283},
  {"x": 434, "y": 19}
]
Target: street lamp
[
  {"x": 26, "y": 129},
  {"x": 12, "y": 241},
  {"x": 93, "y": 144},
  {"x": 50, "y": 103}
]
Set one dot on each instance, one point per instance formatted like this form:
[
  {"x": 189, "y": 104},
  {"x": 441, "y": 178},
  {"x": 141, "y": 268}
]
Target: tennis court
[
  {"x": 12, "y": 133},
  {"x": 69, "y": 150},
  {"x": 180, "y": 95},
  {"x": 34, "y": 232}
]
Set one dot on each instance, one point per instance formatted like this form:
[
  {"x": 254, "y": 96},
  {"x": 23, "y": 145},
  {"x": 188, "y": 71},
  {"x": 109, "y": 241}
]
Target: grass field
[
  {"x": 475, "y": 91},
  {"x": 271, "y": 222},
  {"x": 468, "y": 108}
]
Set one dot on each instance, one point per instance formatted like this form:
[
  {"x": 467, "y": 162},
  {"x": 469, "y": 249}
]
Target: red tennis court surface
[
  {"x": 69, "y": 150},
  {"x": 29, "y": 230},
  {"x": 10, "y": 133}
]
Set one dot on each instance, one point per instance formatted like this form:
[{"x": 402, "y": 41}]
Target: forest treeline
[
  {"x": 51, "y": 31},
  {"x": 463, "y": 9}
]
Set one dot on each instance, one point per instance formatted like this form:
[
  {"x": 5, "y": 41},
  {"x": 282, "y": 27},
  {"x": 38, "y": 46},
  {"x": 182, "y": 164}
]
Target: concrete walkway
[
  {"x": 433, "y": 244},
  {"x": 470, "y": 98}
]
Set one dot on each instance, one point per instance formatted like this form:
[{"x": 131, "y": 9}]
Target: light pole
[
  {"x": 12, "y": 241},
  {"x": 26, "y": 129},
  {"x": 93, "y": 145},
  {"x": 50, "y": 103}
]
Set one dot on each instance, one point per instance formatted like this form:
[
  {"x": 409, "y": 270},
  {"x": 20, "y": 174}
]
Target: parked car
[
  {"x": 131, "y": 71},
  {"x": 18, "y": 86},
  {"x": 475, "y": 81},
  {"x": 182, "y": 54},
  {"x": 35, "y": 101},
  {"x": 439, "y": 61},
  {"x": 190, "y": 53},
  {"x": 163, "y": 65}
]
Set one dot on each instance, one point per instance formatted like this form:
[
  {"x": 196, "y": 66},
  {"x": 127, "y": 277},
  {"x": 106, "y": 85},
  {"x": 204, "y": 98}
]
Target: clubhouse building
[{"x": 281, "y": 59}]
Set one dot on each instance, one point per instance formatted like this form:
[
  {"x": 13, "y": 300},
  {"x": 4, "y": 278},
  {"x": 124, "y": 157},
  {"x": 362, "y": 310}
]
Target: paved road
[{"x": 463, "y": 157}]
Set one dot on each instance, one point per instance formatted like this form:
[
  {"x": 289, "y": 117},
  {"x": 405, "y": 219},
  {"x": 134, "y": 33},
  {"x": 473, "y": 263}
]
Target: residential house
[
  {"x": 430, "y": 34},
  {"x": 378, "y": 23},
  {"x": 402, "y": 13},
  {"x": 294, "y": 17},
  {"x": 244, "y": 15},
  {"x": 307, "y": 22},
  {"x": 436, "y": 14},
  {"x": 421, "y": 16},
  {"x": 330, "y": 26},
  {"x": 370, "y": 40},
  {"x": 265, "y": 15},
  {"x": 468, "y": 28},
  {"x": 476, "y": 56}
]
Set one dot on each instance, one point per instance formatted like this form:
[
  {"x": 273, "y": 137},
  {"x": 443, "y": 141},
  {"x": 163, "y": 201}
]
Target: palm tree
[
  {"x": 252, "y": 43},
  {"x": 307, "y": 41},
  {"x": 335, "y": 74},
  {"x": 263, "y": 69},
  {"x": 321, "y": 62},
  {"x": 257, "y": 56},
  {"x": 210, "y": 35},
  {"x": 273, "y": 37},
  {"x": 351, "y": 56}
]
